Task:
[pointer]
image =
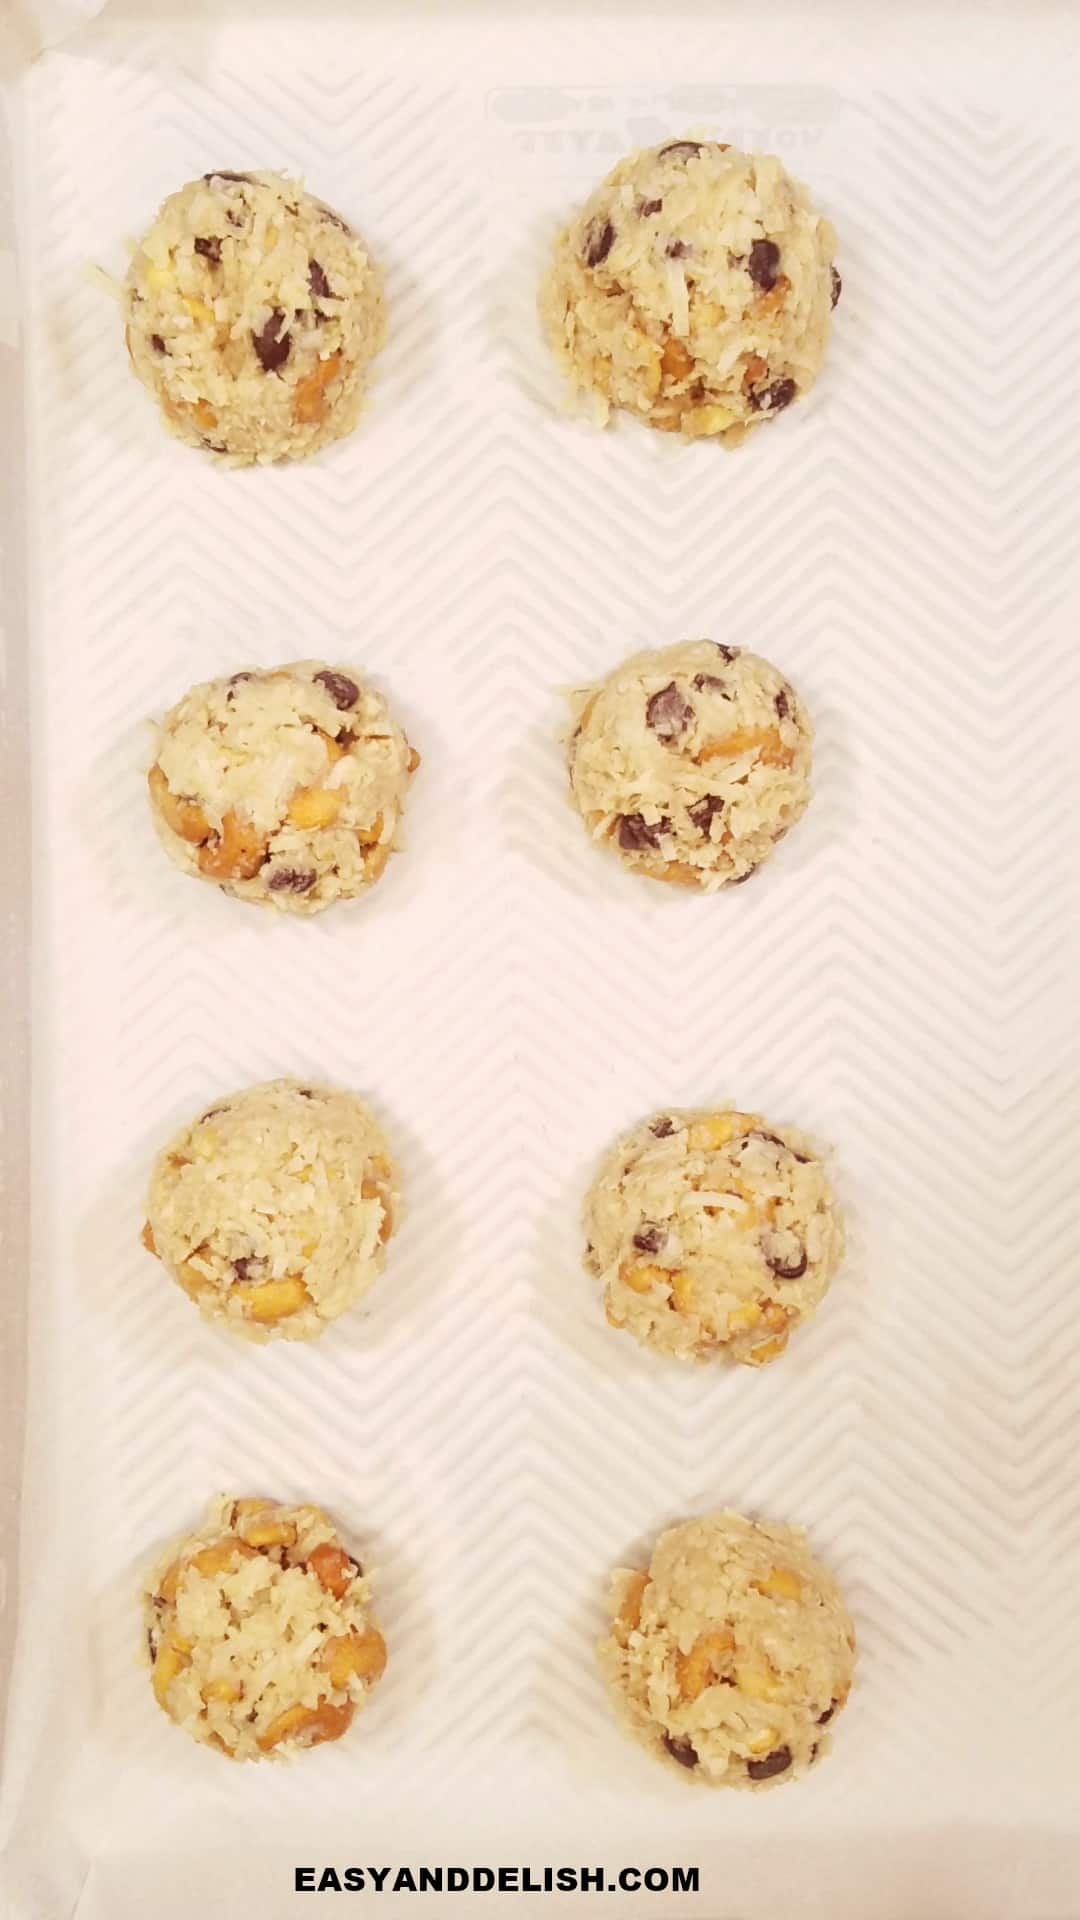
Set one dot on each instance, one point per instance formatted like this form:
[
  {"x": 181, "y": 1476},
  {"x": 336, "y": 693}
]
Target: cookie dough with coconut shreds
[
  {"x": 272, "y": 1209},
  {"x": 694, "y": 289},
  {"x": 732, "y": 1653},
  {"x": 282, "y": 788},
  {"x": 691, "y": 762},
  {"x": 713, "y": 1235},
  {"x": 260, "y": 1631},
  {"x": 252, "y": 313}
]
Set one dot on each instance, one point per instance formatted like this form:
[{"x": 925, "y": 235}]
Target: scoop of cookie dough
[
  {"x": 273, "y": 1208},
  {"x": 713, "y": 1235},
  {"x": 691, "y": 762},
  {"x": 283, "y": 788},
  {"x": 694, "y": 289},
  {"x": 261, "y": 1636},
  {"x": 252, "y": 313},
  {"x": 732, "y": 1653}
]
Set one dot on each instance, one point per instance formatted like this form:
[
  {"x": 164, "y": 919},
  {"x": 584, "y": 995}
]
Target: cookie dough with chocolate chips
[
  {"x": 691, "y": 762},
  {"x": 259, "y": 1626},
  {"x": 252, "y": 314},
  {"x": 694, "y": 289},
  {"x": 713, "y": 1235},
  {"x": 731, "y": 1654},
  {"x": 282, "y": 788},
  {"x": 272, "y": 1209}
]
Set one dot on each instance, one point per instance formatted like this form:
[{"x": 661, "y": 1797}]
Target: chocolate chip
[
  {"x": 669, "y": 713},
  {"x": 703, "y": 812},
  {"x": 837, "y": 286},
  {"x": 649, "y": 207},
  {"x": 221, "y": 175},
  {"x": 787, "y": 1269},
  {"x": 774, "y": 398},
  {"x": 778, "y": 1761},
  {"x": 234, "y": 681},
  {"x": 158, "y": 343},
  {"x": 247, "y": 1269},
  {"x": 291, "y": 880},
  {"x": 685, "y": 149},
  {"x": 712, "y": 683},
  {"x": 343, "y": 692},
  {"x": 726, "y": 653},
  {"x": 306, "y": 1093},
  {"x": 210, "y": 250},
  {"x": 783, "y": 705},
  {"x": 649, "y": 1238},
  {"x": 320, "y": 285},
  {"x": 824, "y": 1718},
  {"x": 598, "y": 242},
  {"x": 677, "y": 250},
  {"x": 762, "y": 262},
  {"x": 681, "y": 1750},
  {"x": 272, "y": 347},
  {"x": 662, "y": 1128},
  {"x": 638, "y": 835}
]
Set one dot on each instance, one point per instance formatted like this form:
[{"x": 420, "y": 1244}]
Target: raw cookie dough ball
[
  {"x": 691, "y": 762},
  {"x": 712, "y": 1235},
  {"x": 731, "y": 1655},
  {"x": 272, "y": 1209},
  {"x": 252, "y": 313},
  {"x": 694, "y": 289},
  {"x": 283, "y": 788},
  {"x": 260, "y": 1630}
]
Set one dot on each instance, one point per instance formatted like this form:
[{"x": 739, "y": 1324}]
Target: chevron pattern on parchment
[{"x": 900, "y": 981}]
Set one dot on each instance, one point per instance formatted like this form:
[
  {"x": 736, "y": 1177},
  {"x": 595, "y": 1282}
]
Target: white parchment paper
[{"x": 901, "y": 980}]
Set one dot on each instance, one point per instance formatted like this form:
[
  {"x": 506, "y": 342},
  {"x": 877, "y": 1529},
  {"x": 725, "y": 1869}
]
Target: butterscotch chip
[
  {"x": 272, "y": 1209},
  {"x": 728, "y": 1656}
]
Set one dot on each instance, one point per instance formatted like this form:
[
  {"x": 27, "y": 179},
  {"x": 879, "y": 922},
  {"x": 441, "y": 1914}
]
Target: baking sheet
[{"x": 901, "y": 981}]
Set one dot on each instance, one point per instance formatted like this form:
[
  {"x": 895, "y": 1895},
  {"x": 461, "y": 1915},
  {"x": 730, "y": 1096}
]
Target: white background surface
[{"x": 900, "y": 980}]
